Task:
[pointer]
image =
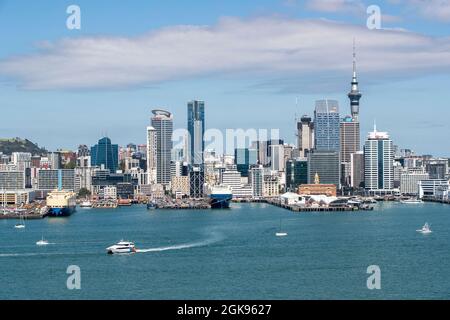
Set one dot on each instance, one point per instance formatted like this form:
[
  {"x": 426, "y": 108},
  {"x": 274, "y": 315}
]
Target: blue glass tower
[
  {"x": 106, "y": 154},
  {"x": 196, "y": 129},
  {"x": 327, "y": 126}
]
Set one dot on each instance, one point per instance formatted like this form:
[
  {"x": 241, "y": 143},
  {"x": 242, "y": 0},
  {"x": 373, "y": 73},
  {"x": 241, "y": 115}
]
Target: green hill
[{"x": 8, "y": 146}]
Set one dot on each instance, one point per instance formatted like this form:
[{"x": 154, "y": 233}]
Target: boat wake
[{"x": 204, "y": 243}]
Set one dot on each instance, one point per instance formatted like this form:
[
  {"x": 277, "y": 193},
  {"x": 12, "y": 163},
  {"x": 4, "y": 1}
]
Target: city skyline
[{"x": 392, "y": 90}]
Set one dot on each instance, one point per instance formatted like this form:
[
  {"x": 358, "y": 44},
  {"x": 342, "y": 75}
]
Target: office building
[
  {"x": 357, "y": 169},
  {"x": 326, "y": 165},
  {"x": 105, "y": 154},
  {"x": 296, "y": 173},
  {"x": 244, "y": 158},
  {"x": 48, "y": 179},
  {"x": 196, "y": 129},
  {"x": 327, "y": 126},
  {"x": 305, "y": 136}
]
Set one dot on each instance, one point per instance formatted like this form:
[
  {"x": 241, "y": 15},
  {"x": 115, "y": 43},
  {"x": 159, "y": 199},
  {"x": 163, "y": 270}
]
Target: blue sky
[{"x": 249, "y": 60}]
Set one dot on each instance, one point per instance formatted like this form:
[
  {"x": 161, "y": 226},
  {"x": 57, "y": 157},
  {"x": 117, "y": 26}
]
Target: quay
[{"x": 445, "y": 201}]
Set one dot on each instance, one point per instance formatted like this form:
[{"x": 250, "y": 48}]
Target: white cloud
[
  {"x": 270, "y": 50},
  {"x": 431, "y": 9},
  {"x": 352, "y": 6}
]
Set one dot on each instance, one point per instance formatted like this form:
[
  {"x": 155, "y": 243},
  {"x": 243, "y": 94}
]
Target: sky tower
[{"x": 354, "y": 95}]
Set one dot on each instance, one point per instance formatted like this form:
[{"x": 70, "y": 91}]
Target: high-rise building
[
  {"x": 162, "y": 121},
  {"x": 277, "y": 157},
  {"x": 350, "y": 138},
  {"x": 105, "y": 154},
  {"x": 152, "y": 149},
  {"x": 257, "y": 175},
  {"x": 327, "y": 126},
  {"x": 350, "y": 144},
  {"x": 196, "y": 129},
  {"x": 296, "y": 173},
  {"x": 326, "y": 165},
  {"x": 357, "y": 169},
  {"x": 379, "y": 162},
  {"x": 305, "y": 137},
  {"x": 244, "y": 158}
]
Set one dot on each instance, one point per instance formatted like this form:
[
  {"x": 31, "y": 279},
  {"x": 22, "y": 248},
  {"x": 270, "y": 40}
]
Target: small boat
[
  {"x": 86, "y": 204},
  {"x": 152, "y": 206},
  {"x": 122, "y": 247},
  {"x": 21, "y": 224},
  {"x": 281, "y": 233},
  {"x": 42, "y": 242},
  {"x": 425, "y": 229},
  {"x": 411, "y": 201}
]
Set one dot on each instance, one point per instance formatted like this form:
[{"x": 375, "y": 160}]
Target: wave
[{"x": 215, "y": 238}]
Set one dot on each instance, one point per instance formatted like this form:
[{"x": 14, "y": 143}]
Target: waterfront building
[
  {"x": 152, "y": 144},
  {"x": 326, "y": 164},
  {"x": 105, "y": 154},
  {"x": 154, "y": 191},
  {"x": 296, "y": 173},
  {"x": 180, "y": 186},
  {"x": 257, "y": 180},
  {"x": 327, "y": 126},
  {"x": 271, "y": 186},
  {"x": 196, "y": 129},
  {"x": 305, "y": 136},
  {"x": 432, "y": 187},
  {"x": 12, "y": 180},
  {"x": 317, "y": 188},
  {"x": 409, "y": 181},
  {"x": 48, "y": 179},
  {"x": 245, "y": 191},
  {"x": 109, "y": 192},
  {"x": 16, "y": 197},
  {"x": 231, "y": 178},
  {"x": 437, "y": 169},
  {"x": 244, "y": 158},
  {"x": 357, "y": 169},
  {"x": 125, "y": 190},
  {"x": 162, "y": 121},
  {"x": 379, "y": 162}
]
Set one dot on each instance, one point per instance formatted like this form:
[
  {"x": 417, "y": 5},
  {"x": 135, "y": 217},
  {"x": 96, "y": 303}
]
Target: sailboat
[
  {"x": 425, "y": 229},
  {"x": 280, "y": 233},
  {"x": 42, "y": 242},
  {"x": 21, "y": 224}
]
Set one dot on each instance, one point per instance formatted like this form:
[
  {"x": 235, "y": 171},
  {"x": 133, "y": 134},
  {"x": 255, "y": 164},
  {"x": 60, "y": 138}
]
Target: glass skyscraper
[
  {"x": 106, "y": 154},
  {"x": 196, "y": 129},
  {"x": 244, "y": 158},
  {"x": 327, "y": 126}
]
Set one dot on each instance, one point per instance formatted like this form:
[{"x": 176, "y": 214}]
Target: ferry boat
[
  {"x": 122, "y": 247},
  {"x": 61, "y": 203},
  {"x": 220, "y": 197}
]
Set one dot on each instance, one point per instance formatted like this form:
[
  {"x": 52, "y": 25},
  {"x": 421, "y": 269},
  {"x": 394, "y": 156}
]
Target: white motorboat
[
  {"x": 425, "y": 229},
  {"x": 42, "y": 242},
  {"x": 86, "y": 204},
  {"x": 19, "y": 226},
  {"x": 280, "y": 233},
  {"x": 411, "y": 201},
  {"x": 122, "y": 247}
]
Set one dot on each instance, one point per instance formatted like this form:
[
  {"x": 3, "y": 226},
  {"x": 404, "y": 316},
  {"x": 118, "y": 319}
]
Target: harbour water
[{"x": 231, "y": 254}]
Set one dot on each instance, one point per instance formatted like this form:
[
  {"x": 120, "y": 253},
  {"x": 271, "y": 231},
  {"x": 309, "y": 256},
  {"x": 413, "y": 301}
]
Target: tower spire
[{"x": 354, "y": 95}]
